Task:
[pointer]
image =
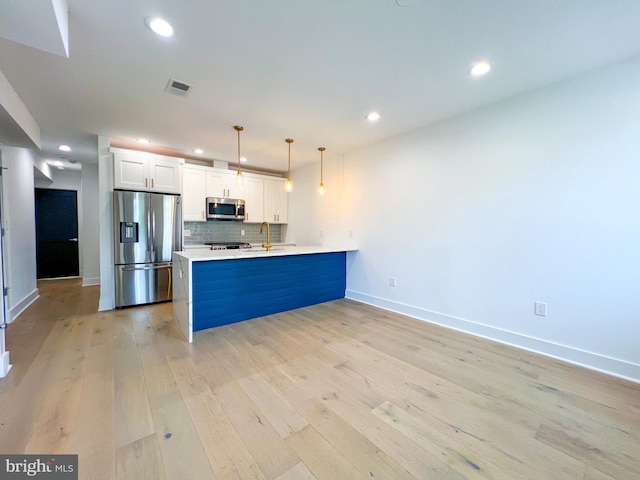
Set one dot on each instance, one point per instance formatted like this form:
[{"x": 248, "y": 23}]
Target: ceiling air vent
[{"x": 175, "y": 87}]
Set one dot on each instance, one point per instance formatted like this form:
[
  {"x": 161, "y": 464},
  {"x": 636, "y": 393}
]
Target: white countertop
[{"x": 199, "y": 255}]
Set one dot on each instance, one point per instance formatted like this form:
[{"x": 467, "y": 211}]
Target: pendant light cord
[{"x": 238, "y": 129}]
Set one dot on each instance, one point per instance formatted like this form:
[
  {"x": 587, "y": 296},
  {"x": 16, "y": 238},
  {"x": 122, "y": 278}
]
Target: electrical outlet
[
  {"x": 187, "y": 233},
  {"x": 541, "y": 309},
  {"x": 242, "y": 233},
  {"x": 392, "y": 281},
  {"x": 321, "y": 234}
]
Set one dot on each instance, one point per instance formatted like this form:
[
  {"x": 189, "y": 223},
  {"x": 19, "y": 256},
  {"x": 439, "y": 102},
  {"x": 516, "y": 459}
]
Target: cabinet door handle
[
  {"x": 146, "y": 183},
  {"x": 203, "y": 214},
  {"x": 152, "y": 183}
]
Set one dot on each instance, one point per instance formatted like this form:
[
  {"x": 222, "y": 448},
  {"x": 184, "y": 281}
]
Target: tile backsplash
[{"x": 220, "y": 231}]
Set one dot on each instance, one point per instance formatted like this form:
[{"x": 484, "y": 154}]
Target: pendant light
[
  {"x": 288, "y": 186},
  {"x": 238, "y": 129},
  {"x": 321, "y": 189}
]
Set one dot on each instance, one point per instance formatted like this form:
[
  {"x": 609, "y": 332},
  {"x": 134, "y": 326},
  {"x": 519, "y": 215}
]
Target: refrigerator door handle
[
  {"x": 169, "y": 286},
  {"x": 149, "y": 234},
  {"x": 153, "y": 226},
  {"x": 147, "y": 267}
]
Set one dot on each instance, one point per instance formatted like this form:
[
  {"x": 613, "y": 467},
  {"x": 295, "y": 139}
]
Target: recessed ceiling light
[
  {"x": 143, "y": 141},
  {"x": 199, "y": 151},
  {"x": 64, "y": 148},
  {"x": 243, "y": 159},
  {"x": 159, "y": 26},
  {"x": 373, "y": 117},
  {"x": 479, "y": 68}
]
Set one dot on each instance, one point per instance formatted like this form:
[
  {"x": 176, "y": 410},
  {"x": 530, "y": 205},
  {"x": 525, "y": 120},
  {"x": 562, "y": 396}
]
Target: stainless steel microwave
[{"x": 225, "y": 209}]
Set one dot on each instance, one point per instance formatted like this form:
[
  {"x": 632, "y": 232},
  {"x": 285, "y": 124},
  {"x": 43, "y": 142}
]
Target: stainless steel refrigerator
[{"x": 147, "y": 229}]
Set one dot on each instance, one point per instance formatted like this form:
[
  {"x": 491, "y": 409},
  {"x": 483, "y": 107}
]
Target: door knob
[{"x": 73, "y": 239}]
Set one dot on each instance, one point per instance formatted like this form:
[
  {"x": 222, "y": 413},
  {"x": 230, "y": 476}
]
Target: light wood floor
[{"x": 335, "y": 391}]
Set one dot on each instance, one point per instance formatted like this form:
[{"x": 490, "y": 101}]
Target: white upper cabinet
[
  {"x": 193, "y": 194},
  {"x": 143, "y": 172},
  {"x": 215, "y": 184},
  {"x": 276, "y": 201},
  {"x": 225, "y": 185},
  {"x": 254, "y": 200}
]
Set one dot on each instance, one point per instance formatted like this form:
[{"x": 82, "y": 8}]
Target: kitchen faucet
[{"x": 268, "y": 244}]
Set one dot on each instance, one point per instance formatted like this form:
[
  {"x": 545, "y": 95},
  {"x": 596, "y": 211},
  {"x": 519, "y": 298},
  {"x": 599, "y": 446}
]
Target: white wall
[
  {"x": 90, "y": 232},
  {"x": 316, "y": 219},
  {"x": 5, "y": 364},
  {"x": 62, "y": 180},
  {"x": 105, "y": 213},
  {"x": 532, "y": 199},
  {"x": 19, "y": 222}
]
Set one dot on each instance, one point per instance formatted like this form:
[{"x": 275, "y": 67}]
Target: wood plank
[
  {"x": 323, "y": 460},
  {"x": 299, "y": 472},
  {"x": 282, "y": 417},
  {"x": 95, "y": 433},
  {"x": 227, "y": 453},
  {"x": 98, "y": 466},
  {"x": 462, "y": 459},
  {"x": 267, "y": 448},
  {"x": 620, "y": 464},
  {"x": 182, "y": 452},
  {"x": 54, "y": 428},
  {"x": 133, "y": 419},
  {"x": 370, "y": 460},
  {"x": 158, "y": 377},
  {"x": 415, "y": 459},
  {"x": 140, "y": 459}
]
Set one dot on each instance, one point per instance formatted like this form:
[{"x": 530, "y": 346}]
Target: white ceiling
[{"x": 309, "y": 70}]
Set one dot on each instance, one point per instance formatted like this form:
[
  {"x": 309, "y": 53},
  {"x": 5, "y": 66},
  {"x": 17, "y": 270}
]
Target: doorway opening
[{"x": 56, "y": 233}]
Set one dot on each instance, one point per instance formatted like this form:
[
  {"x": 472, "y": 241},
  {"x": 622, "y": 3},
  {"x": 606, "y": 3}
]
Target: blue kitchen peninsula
[{"x": 213, "y": 288}]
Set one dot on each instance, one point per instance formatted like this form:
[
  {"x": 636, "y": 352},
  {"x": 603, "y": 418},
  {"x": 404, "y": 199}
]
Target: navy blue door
[{"x": 57, "y": 233}]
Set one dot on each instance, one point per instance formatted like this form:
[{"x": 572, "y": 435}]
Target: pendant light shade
[
  {"x": 321, "y": 189},
  {"x": 239, "y": 129},
  {"x": 289, "y": 185}
]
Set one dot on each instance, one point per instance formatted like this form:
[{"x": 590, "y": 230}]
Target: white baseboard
[
  {"x": 5, "y": 366},
  {"x": 89, "y": 281},
  {"x": 593, "y": 361},
  {"x": 22, "y": 305}
]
